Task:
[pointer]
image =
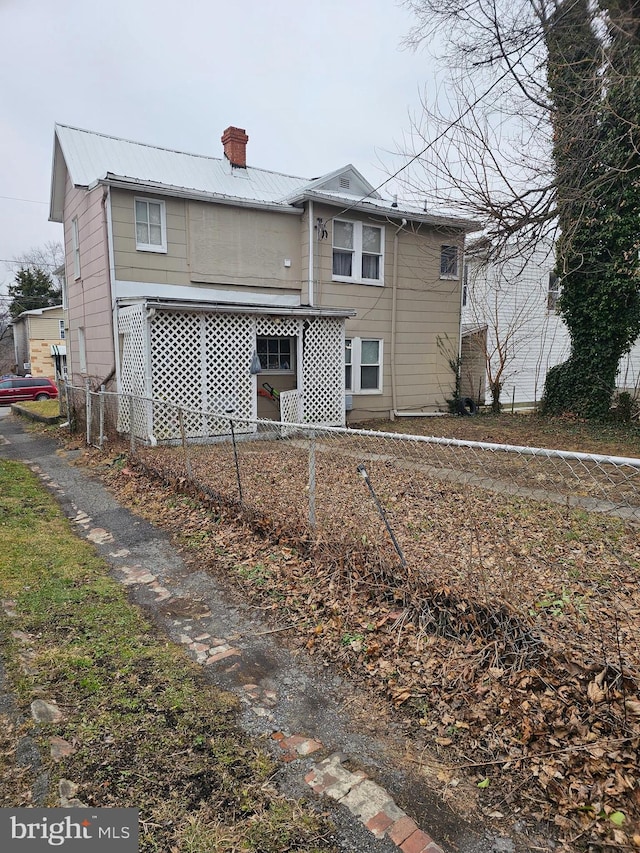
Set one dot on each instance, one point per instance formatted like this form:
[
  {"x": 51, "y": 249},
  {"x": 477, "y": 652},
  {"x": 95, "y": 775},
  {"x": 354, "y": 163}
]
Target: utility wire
[{"x": 27, "y": 200}]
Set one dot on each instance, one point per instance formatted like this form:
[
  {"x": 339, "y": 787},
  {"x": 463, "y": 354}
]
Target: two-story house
[
  {"x": 39, "y": 342},
  {"x": 186, "y": 272}
]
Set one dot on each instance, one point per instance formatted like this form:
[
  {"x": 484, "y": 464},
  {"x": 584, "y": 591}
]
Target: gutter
[{"x": 195, "y": 195}]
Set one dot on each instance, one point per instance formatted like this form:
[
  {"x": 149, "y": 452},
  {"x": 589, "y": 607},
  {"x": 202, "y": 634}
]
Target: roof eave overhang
[
  {"x": 58, "y": 181},
  {"x": 303, "y": 311},
  {"x": 120, "y": 182},
  {"x": 395, "y": 214}
]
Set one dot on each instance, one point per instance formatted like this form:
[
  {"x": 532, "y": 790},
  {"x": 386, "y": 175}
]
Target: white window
[
  {"x": 275, "y": 354},
  {"x": 151, "y": 228},
  {"x": 363, "y": 365},
  {"x": 448, "y": 262},
  {"x": 465, "y": 284},
  {"x": 61, "y": 329},
  {"x": 553, "y": 292},
  {"x": 358, "y": 252},
  {"x": 75, "y": 247},
  {"x": 82, "y": 350}
]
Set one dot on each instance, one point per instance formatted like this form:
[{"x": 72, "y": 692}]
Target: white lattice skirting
[{"x": 200, "y": 361}]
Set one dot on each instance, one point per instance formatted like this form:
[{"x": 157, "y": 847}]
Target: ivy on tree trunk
[{"x": 596, "y": 98}]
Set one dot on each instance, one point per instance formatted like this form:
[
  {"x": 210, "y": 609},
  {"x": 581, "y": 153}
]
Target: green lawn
[{"x": 148, "y": 731}]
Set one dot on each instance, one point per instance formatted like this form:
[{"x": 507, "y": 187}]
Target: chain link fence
[
  {"x": 462, "y": 574},
  {"x": 421, "y": 502}
]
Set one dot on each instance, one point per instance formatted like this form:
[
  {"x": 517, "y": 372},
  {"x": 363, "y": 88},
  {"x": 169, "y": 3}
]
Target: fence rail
[{"x": 308, "y": 461}]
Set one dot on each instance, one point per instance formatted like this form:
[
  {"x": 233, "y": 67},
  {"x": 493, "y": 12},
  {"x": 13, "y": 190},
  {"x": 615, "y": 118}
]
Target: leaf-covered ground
[{"x": 508, "y": 641}]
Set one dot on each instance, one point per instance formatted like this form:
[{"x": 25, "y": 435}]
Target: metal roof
[{"x": 91, "y": 158}]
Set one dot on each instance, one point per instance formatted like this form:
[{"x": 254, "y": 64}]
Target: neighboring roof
[
  {"x": 92, "y": 158},
  {"x": 472, "y": 328},
  {"x": 36, "y": 312}
]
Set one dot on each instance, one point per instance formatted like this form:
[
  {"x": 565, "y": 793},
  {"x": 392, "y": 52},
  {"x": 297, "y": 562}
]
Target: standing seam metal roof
[{"x": 91, "y": 156}]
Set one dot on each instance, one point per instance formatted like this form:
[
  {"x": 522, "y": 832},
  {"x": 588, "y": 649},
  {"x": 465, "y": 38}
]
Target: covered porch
[{"x": 253, "y": 362}]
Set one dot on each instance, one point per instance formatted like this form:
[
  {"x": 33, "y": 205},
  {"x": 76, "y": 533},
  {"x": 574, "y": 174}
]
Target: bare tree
[
  {"x": 537, "y": 134},
  {"x": 506, "y": 309}
]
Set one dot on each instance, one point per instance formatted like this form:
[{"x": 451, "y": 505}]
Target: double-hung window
[
  {"x": 449, "y": 262},
  {"x": 75, "y": 247},
  {"x": 553, "y": 292},
  {"x": 363, "y": 365},
  {"x": 61, "y": 330},
  {"x": 358, "y": 252},
  {"x": 151, "y": 227}
]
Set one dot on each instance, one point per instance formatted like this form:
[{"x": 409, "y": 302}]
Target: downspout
[
  {"x": 394, "y": 312},
  {"x": 311, "y": 258}
]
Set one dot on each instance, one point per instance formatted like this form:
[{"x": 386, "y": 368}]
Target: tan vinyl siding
[
  {"x": 427, "y": 309},
  {"x": 168, "y": 267},
  {"x": 46, "y": 327},
  {"x": 245, "y": 247}
]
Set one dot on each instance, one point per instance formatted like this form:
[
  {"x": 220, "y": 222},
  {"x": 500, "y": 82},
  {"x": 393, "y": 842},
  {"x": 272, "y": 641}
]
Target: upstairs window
[
  {"x": 358, "y": 252},
  {"x": 151, "y": 229},
  {"x": 553, "y": 292},
  {"x": 75, "y": 247},
  {"x": 61, "y": 331},
  {"x": 448, "y": 262}
]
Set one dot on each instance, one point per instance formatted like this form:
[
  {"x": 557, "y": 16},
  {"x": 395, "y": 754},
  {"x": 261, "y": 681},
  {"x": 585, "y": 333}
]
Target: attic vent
[{"x": 345, "y": 183}]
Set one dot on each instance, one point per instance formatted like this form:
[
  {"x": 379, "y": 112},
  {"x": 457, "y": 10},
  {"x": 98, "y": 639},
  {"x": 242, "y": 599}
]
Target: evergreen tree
[{"x": 33, "y": 288}]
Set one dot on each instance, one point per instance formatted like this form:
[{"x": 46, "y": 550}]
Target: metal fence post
[
  {"x": 235, "y": 456},
  {"x": 132, "y": 437},
  {"x": 101, "y": 418},
  {"x": 87, "y": 404},
  {"x": 383, "y": 515},
  {"x": 183, "y": 436},
  {"x": 312, "y": 479}
]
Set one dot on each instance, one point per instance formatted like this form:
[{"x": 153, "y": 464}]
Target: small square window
[{"x": 275, "y": 354}]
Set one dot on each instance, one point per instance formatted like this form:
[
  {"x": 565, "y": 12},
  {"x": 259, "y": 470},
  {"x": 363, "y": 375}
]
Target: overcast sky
[{"x": 316, "y": 85}]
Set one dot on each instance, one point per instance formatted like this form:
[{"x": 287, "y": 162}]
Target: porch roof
[{"x": 226, "y": 308}]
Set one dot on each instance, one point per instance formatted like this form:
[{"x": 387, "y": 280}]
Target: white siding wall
[{"x": 511, "y": 299}]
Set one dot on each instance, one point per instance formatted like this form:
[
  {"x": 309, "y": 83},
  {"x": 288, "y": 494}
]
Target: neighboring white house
[{"x": 510, "y": 322}]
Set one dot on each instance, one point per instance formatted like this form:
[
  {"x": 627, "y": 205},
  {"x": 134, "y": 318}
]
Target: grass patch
[
  {"x": 44, "y": 408},
  {"x": 148, "y": 731}
]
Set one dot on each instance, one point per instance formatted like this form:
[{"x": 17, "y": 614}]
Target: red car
[{"x": 22, "y": 388}]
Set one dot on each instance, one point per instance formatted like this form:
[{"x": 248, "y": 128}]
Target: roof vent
[{"x": 345, "y": 183}]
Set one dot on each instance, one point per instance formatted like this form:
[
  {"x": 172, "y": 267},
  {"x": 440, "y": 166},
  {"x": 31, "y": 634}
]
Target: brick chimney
[{"x": 234, "y": 140}]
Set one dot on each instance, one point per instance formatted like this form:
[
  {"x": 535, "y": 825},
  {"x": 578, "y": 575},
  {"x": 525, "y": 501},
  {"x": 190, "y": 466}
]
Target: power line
[{"x": 27, "y": 200}]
